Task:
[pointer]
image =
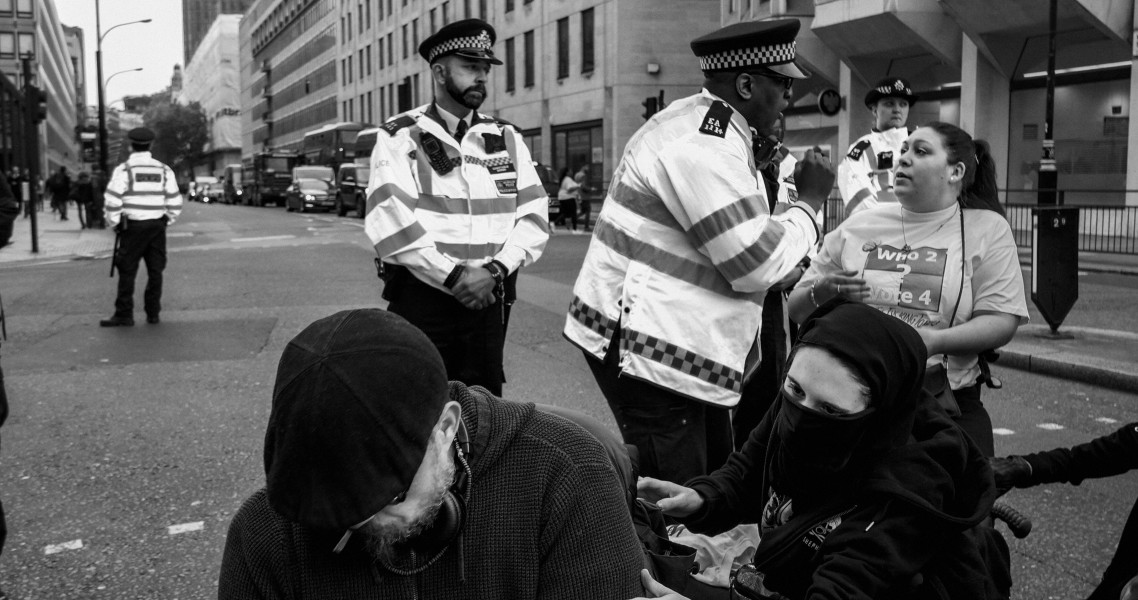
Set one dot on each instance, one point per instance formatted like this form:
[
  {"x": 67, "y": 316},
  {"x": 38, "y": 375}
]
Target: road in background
[{"x": 129, "y": 449}]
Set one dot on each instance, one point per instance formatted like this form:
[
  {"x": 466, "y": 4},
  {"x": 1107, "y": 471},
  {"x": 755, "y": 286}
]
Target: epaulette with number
[
  {"x": 400, "y": 122},
  {"x": 857, "y": 149},
  {"x": 716, "y": 120}
]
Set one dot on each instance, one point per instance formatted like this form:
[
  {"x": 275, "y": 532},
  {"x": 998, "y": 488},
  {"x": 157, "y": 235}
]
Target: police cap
[
  {"x": 471, "y": 38},
  {"x": 140, "y": 135},
  {"x": 891, "y": 87},
  {"x": 766, "y": 44}
]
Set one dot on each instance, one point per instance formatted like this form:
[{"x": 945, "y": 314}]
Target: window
[
  {"x": 527, "y": 1},
  {"x": 349, "y": 68},
  {"x": 344, "y": 109},
  {"x": 367, "y": 3},
  {"x": 349, "y": 27},
  {"x": 482, "y": 9},
  {"x": 380, "y": 45},
  {"x": 389, "y": 9},
  {"x": 363, "y": 108},
  {"x": 445, "y": 10},
  {"x": 529, "y": 58},
  {"x": 382, "y": 105},
  {"x": 390, "y": 50},
  {"x": 351, "y": 111},
  {"x": 510, "y": 64},
  {"x": 360, "y": 18},
  {"x": 369, "y": 60},
  {"x": 509, "y": 5},
  {"x": 7, "y": 45},
  {"x": 415, "y": 89},
  {"x": 465, "y": 7},
  {"x": 588, "y": 47},
  {"x": 343, "y": 28},
  {"x": 432, "y": 22},
  {"x": 343, "y": 71},
  {"x": 404, "y": 40},
  {"x": 415, "y": 34},
  {"x": 563, "y": 48},
  {"x": 370, "y": 108},
  {"x": 361, "y": 55},
  {"x": 6, "y": 8},
  {"x": 24, "y": 7}
]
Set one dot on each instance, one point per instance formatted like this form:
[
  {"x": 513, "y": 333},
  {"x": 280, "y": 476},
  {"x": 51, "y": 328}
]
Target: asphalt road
[{"x": 128, "y": 450}]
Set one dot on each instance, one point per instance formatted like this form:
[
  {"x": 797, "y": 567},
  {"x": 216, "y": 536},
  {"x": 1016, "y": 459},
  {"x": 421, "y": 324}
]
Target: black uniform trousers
[
  {"x": 677, "y": 438},
  {"x": 141, "y": 241},
  {"x": 470, "y": 341}
]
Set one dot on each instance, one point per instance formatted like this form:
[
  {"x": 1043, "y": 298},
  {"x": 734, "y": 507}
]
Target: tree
[{"x": 181, "y": 133}]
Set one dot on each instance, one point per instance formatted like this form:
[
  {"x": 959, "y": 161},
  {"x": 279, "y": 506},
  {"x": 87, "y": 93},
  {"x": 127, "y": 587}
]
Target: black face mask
[{"x": 815, "y": 450}]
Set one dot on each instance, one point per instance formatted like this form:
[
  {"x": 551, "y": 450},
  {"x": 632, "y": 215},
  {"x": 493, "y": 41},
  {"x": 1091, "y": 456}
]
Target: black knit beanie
[{"x": 356, "y": 397}]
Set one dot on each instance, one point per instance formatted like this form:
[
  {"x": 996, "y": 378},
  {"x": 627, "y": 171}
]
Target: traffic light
[
  {"x": 651, "y": 106},
  {"x": 37, "y": 100}
]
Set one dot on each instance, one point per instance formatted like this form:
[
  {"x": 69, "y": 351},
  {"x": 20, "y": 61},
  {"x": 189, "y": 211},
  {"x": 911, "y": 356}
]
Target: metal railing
[{"x": 1105, "y": 228}]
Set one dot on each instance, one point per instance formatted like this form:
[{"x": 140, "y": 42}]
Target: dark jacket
[
  {"x": 546, "y": 519},
  {"x": 9, "y": 208}
]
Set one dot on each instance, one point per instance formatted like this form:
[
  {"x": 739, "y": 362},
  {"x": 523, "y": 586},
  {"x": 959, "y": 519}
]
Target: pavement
[{"x": 1103, "y": 357}]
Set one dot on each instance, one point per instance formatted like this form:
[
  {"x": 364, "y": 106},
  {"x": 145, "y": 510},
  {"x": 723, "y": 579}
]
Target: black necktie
[{"x": 460, "y": 130}]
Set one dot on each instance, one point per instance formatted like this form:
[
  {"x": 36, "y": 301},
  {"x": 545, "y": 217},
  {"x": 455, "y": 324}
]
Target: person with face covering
[
  {"x": 943, "y": 260},
  {"x": 865, "y": 175},
  {"x": 861, "y": 485},
  {"x": 383, "y": 480},
  {"x": 455, "y": 208}
]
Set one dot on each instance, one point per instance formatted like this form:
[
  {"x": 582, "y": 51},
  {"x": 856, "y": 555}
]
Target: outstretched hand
[{"x": 673, "y": 499}]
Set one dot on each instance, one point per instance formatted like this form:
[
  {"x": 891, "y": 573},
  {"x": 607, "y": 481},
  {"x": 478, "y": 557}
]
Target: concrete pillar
[
  {"x": 854, "y": 121},
  {"x": 985, "y": 105},
  {"x": 1132, "y": 143}
]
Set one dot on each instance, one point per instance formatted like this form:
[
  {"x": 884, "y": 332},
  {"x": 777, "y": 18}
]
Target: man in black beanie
[{"x": 383, "y": 480}]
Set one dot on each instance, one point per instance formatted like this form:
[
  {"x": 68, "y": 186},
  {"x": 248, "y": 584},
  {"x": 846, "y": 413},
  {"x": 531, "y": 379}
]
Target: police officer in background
[
  {"x": 455, "y": 208},
  {"x": 141, "y": 200},
  {"x": 668, "y": 305},
  {"x": 865, "y": 176}
]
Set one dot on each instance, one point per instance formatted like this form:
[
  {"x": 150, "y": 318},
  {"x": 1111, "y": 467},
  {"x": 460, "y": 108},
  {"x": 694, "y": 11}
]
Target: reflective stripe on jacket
[
  {"x": 142, "y": 189},
  {"x": 867, "y": 169},
  {"x": 683, "y": 253}
]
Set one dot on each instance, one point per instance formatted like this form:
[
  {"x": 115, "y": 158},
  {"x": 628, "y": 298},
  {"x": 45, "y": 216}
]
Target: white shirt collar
[{"x": 452, "y": 120}]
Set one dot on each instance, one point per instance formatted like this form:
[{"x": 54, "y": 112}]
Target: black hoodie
[{"x": 899, "y": 521}]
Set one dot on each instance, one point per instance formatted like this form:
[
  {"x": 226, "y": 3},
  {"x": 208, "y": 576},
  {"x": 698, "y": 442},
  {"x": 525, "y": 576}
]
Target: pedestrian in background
[
  {"x": 668, "y": 305},
  {"x": 142, "y": 199},
  {"x": 943, "y": 260},
  {"x": 9, "y": 209},
  {"x": 450, "y": 267},
  {"x": 584, "y": 195},
  {"x": 83, "y": 194},
  {"x": 865, "y": 176},
  {"x": 59, "y": 186},
  {"x": 567, "y": 197},
  {"x": 96, "y": 216}
]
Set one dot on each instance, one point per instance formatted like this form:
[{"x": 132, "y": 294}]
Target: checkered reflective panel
[
  {"x": 480, "y": 41},
  {"x": 592, "y": 318},
  {"x": 748, "y": 57},
  {"x": 686, "y": 361},
  {"x": 490, "y": 162}
]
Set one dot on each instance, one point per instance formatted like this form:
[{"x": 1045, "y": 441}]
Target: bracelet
[
  {"x": 455, "y": 275},
  {"x": 812, "y": 298}
]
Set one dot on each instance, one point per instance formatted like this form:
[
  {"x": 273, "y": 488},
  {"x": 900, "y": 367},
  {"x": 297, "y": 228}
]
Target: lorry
[
  {"x": 233, "y": 186},
  {"x": 266, "y": 176}
]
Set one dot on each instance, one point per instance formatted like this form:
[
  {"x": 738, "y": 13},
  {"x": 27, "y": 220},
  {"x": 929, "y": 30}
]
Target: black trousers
[
  {"x": 470, "y": 341},
  {"x": 761, "y": 390},
  {"x": 678, "y": 438},
  {"x": 141, "y": 241}
]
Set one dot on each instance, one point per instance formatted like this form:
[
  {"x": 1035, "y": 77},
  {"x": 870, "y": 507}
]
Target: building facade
[
  {"x": 287, "y": 52},
  {"x": 32, "y": 26},
  {"x": 212, "y": 79},
  {"x": 198, "y": 17},
  {"x": 576, "y": 72},
  {"x": 981, "y": 65}
]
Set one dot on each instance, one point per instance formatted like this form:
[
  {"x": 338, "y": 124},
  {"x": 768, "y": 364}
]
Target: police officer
[
  {"x": 455, "y": 208},
  {"x": 142, "y": 199},
  {"x": 865, "y": 176},
  {"x": 668, "y": 305}
]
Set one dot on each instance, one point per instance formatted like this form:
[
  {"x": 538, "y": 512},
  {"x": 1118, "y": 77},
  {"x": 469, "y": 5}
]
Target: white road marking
[
  {"x": 180, "y": 234},
  {"x": 1050, "y": 426},
  {"x": 264, "y": 238},
  {"x": 185, "y": 527},
  {"x": 57, "y": 548},
  {"x": 1002, "y": 431},
  {"x": 1106, "y": 420}
]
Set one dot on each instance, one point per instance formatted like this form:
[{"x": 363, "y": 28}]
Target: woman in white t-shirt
[
  {"x": 567, "y": 197},
  {"x": 943, "y": 260}
]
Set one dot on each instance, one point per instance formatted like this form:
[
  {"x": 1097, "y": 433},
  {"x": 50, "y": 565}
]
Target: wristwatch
[{"x": 497, "y": 271}]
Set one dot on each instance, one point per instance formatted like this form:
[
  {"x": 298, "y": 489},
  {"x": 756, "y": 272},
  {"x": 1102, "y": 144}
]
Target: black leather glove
[
  {"x": 120, "y": 227},
  {"x": 1010, "y": 472}
]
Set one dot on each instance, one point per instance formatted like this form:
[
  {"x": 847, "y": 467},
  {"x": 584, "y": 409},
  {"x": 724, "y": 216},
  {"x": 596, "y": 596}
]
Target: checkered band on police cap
[
  {"x": 478, "y": 42},
  {"x": 748, "y": 57}
]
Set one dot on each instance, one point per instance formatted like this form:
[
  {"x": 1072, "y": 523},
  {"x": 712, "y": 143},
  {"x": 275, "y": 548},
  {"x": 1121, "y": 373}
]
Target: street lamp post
[{"x": 99, "y": 35}]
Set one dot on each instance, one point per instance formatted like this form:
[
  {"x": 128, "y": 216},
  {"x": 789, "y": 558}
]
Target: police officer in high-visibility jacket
[
  {"x": 865, "y": 176},
  {"x": 668, "y": 304},
  {"x": 142, "y": 199},
  {"x": 455, "y": 208}
]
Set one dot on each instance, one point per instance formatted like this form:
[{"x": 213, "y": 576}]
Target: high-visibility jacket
[
  {"x": 867, "y": 169},
  {"x": 141, "y": 189},
  {"x": 683, "y": 253},
  {"x": 434, "y": 204}
]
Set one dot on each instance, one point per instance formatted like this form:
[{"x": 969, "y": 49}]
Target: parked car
[
  {"x": 309, "y": 194},
  {"x": 351, "y": 189},
  {"x": 552, "y": 186},
  {"x": 205, "y": 188}
]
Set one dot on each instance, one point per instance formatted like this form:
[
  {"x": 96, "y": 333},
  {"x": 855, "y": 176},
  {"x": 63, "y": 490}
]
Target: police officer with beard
[{"x": 455, "y": 208}]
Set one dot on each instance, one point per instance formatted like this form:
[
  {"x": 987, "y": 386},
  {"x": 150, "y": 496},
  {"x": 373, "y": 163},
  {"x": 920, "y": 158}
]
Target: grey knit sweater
[{"x": 546, "y": 519}]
